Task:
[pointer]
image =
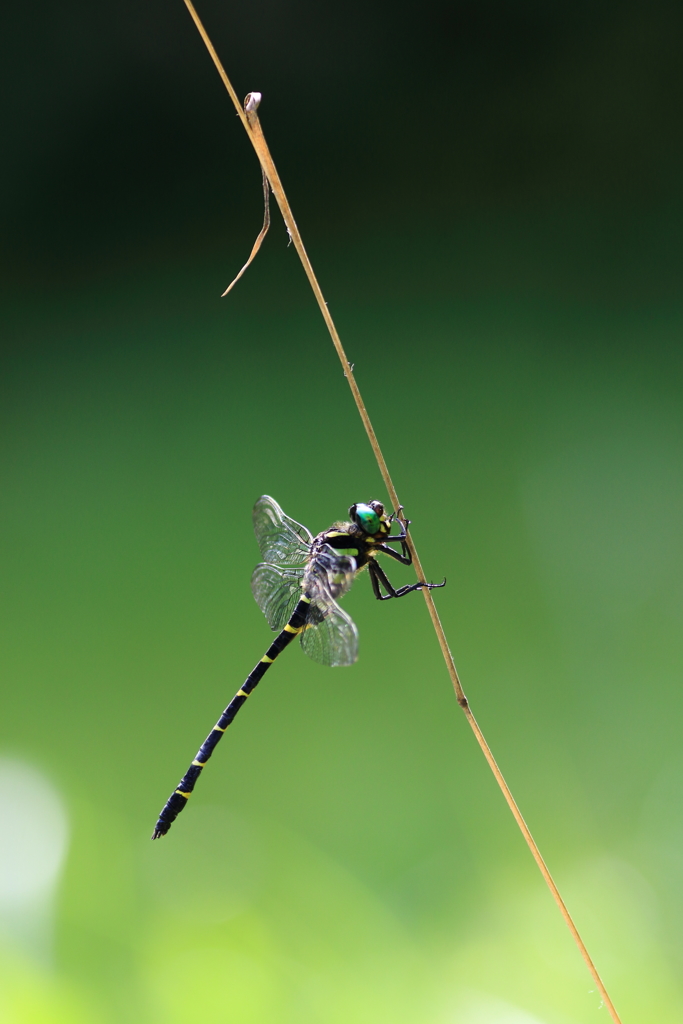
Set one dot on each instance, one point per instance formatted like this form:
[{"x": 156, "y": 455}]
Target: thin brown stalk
[{"x": 252, "y": 125}]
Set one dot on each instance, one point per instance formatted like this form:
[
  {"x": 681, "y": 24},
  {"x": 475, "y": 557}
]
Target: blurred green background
[{"x": 491, "y": 196}]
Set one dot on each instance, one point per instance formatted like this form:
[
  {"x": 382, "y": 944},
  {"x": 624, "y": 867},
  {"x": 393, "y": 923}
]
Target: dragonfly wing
[
  {"x": 331, "y": 572},
  {"x": 277, "y": 592},
  {"x": 330, "y": 636},
  {"x": 282, "y": 540},
  {"x": 334, "y": 639}
]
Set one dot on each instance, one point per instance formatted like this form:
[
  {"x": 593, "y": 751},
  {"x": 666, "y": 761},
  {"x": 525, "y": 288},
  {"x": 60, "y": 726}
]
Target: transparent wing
[
  {"x": 277, "y": 592},
  {"x": 282, "y": 540},
  {"x": 330, "y": 573},
  {"x": 330, "y": 636},
  {"x": 333, "y": 640}
]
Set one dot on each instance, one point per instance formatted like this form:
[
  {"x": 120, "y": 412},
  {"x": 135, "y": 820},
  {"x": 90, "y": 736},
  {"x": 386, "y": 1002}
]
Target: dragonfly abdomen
[{"x": 179, "y": 797}]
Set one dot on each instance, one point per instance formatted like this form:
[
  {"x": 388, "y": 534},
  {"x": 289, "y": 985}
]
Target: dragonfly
[{"x": 297, "y": 587}]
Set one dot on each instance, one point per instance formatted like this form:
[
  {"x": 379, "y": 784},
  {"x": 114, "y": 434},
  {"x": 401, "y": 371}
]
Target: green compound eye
[{"x": 367, "y": 518}]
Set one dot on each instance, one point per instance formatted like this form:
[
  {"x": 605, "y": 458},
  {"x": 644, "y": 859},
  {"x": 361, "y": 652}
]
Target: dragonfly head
[{"x": 369, "y": 517}]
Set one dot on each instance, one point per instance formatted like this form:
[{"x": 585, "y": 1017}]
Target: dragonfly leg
[
  {"x": 396, "y": 517},
  {"x": 399, "y": 538},
  {"x": 378, "y": 576},
  {"x": 405, "y": 559},
  {"x": 404, "y": 524},
  {"x": 372, "y": 569}
]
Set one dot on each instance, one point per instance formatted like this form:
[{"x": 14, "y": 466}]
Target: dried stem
[
  {"x": 261, "y": 235},
  {"x": 252, "y": 125}
]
